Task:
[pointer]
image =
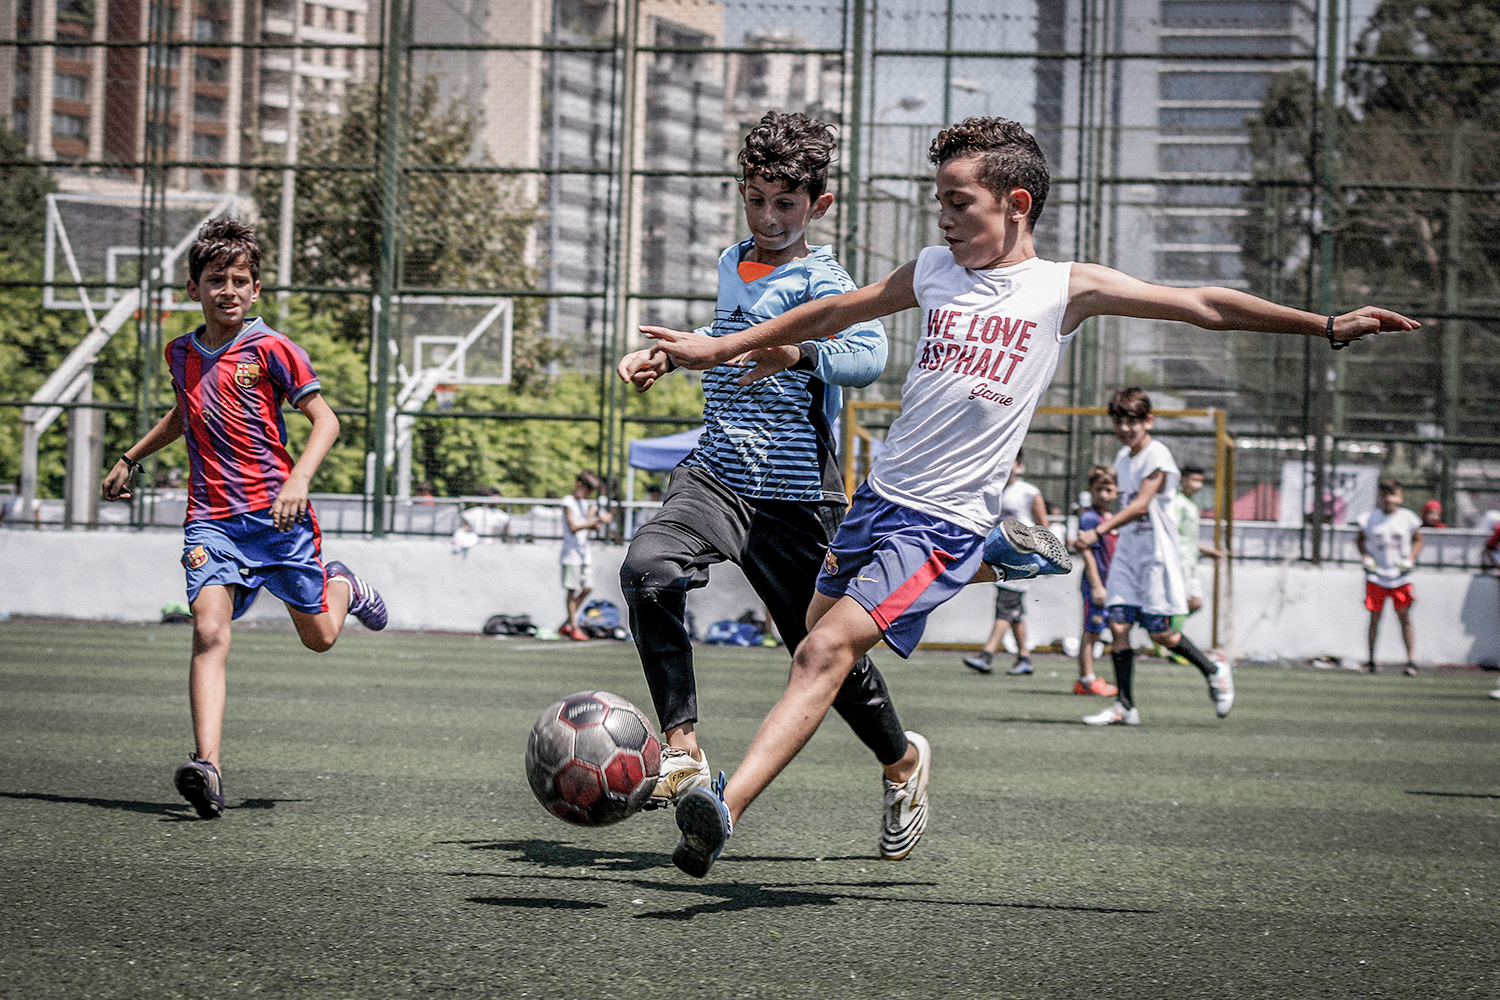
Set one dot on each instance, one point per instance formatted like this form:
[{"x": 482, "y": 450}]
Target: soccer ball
[{"x": 592, "y": 759}]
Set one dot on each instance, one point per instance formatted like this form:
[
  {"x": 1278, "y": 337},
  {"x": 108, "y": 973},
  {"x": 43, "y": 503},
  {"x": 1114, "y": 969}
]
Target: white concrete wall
[{"x": 1280, "y": 611}]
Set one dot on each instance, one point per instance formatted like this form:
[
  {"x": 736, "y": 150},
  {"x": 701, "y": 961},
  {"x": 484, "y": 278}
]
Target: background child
[
  {"x": 249, "y": 522},
  {"x": 577, "y": 558},
  {"x": 1389, "y": 539},
  {"x": 1185, "y": 514},
  {"x": 1096, "y": 559},
  {"x": 1145, "y": 578},
  {"x": 1023, "y": 502}
]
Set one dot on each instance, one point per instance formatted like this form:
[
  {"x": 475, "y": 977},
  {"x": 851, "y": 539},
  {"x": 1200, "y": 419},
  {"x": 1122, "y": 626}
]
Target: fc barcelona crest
[
  {"x": 197, "y": 557},
  {"x": 246, "y": 373}
]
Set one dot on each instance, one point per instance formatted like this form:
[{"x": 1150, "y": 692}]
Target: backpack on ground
[{"x": 509, "y": 625}]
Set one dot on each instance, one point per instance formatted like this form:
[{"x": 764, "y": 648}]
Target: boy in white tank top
[{"x": 996, "y": 320}]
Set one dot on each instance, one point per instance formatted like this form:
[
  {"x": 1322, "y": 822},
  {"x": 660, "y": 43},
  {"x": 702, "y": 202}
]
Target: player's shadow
[
  {"x": 1008, "y": 719},
  {"x": 1457, "y": 795},
  {"x": 170, "y": 812},
  {"x": 552, "y": 854},
  {"x": 536, "y": 903}
]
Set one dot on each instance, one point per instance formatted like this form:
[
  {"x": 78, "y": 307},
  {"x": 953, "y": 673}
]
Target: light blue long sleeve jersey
[{"x": 773, "y": 439}]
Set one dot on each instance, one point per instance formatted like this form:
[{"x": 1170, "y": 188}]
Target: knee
[
  {"x": 320, "y": 641},
  {"x": 644, "y": 578},
  {"x": 209, "y": 633},
  {"x": 820, "y": 655}
]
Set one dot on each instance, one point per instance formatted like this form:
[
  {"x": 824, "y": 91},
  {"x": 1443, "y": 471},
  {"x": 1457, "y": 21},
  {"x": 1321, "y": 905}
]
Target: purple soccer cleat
[{"x": 364, "y": 600}]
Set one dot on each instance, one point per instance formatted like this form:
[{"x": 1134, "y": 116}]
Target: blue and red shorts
[
  {"x": 1094, "y": 618},
  {"x": 899, "y": 564},
  {"x": 1130, "y": 614},
  {"x": 1375, "y": 596},
  {"x": 246, "y": 552}
]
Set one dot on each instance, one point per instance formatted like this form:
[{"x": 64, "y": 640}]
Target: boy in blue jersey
[{"x": 763, "y": 488}]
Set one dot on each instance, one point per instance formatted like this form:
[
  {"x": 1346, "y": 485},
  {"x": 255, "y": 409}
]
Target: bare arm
[
  {"x": 1095, "y": 290},
  {"x": 810, "y": 321},
  {"x": 1416, "y": 546},
  {"x": 1039, "y": 511},
  {"x": 1134, "y": 509},
  {"x": 116, "y": 484},
  {"x": 1096, "y": 582},
  {"x": 291, "y": 502},
  {"x": 643, "y": 368}
]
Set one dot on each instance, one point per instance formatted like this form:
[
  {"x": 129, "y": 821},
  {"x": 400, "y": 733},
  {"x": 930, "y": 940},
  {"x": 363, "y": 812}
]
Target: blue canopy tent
[{"x": 656, "y": 455}]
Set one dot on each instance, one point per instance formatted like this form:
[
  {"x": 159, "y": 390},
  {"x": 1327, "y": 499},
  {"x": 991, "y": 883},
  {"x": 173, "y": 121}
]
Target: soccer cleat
[
  {"x": 576, "y": 633},
  {"x": 1095, "y": 685},
  {"x": 1368, "y": 667},
  {"x": 1022, "y": 551},
  {"x": 1221, "y": 687},
  {"x": 704, "y": 821},
  {"x": 906, "y": 805},
  {"x": 981, "y": 661},
  {"x": 1495, "y": 694},
  {"x": 679, "y": 772},
  {"x": 1115, "y": 715},
  {"x": 1411, "y": 670},
  {"x": 198, "y": 781},
  {"x": 1023, "y": 666},
  {"x": 364, "y": 600}
]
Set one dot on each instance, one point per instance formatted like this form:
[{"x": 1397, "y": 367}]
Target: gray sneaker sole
[
  {"x": 1036, "y": 539},
  {"x": 701, "y": 821}
]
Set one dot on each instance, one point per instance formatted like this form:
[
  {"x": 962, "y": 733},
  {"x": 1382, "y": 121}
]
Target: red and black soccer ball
[{"x": 592, "y": 759}]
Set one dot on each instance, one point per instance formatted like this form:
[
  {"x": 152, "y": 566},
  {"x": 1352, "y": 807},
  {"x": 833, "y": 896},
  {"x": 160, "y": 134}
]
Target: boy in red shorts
[
  {"x": 1389, "y": 539},
  {"x": 249, "y": 522}
]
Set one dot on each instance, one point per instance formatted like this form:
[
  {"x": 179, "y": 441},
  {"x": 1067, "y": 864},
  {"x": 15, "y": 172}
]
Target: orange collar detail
[{"x": 753, "y": 270}]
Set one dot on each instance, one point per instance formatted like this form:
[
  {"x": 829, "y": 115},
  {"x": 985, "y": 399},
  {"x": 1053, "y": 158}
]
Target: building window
[
  {"x": 20, "y": 123},
  {"x": 1214, "y": 86},
  {"x": 23, "y": 83},
  {"x": 74, "y": 53},
  {"x": 70, "y": 126},
  {"x": 1195, "y": 158},
  {"x": 207, "y": 147},
  {"x": 206, "y": 29},
  {"x": 209, "y": 69},
  {"x": 70, "y": 87},
  {"x": 208, "y": 108}
]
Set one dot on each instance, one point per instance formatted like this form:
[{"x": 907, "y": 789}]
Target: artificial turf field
[{"x": 1336, "y": 836}]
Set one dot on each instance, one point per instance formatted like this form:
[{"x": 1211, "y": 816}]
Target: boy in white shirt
[
  {"x": 581, "y": 515},
  {"x": 1389, "y": 539},
  {"x": 1146, "y": 584},
  {"x": 996, "y": 320}
]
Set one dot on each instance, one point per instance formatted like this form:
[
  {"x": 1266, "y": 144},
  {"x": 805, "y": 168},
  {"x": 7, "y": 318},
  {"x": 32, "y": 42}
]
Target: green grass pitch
[{"x": 1335, "y": 837}]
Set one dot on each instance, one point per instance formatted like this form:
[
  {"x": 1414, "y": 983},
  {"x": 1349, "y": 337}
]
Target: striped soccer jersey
[
  {"x": 774, "y": 439},
  {"x": 231, "y": 416}
]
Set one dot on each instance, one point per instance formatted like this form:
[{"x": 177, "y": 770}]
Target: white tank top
[{"x": 990, "y": 345}]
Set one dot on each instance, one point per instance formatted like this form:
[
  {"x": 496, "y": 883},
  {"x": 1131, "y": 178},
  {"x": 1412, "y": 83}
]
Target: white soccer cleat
[
  {"x": 1495, "y": 693},
  {"x": 905, "y": 816},
  {"x": 1221, "y": 686},
  {"x": 1115, "y": 715},
  {"x": 679, "y": 772}
]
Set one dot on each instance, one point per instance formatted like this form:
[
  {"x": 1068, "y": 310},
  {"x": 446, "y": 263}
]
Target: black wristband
[
  {"x": 1337, "y": 345},
  {"x": 131, "y": 463}
]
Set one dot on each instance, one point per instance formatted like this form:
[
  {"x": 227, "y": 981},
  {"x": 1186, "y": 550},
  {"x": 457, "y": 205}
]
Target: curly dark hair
[
  {"x": 1130, "y": 403},
  {"x": 793, "y": 149},
  {"x": 224, "y": 241},
  {"x": 1009, "y": 157}
]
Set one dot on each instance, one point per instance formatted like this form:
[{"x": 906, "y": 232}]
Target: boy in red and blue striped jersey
[{"x": 249, "y": 522}]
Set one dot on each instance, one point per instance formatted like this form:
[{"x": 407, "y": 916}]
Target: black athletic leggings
[{"x": 779, "y": 544}]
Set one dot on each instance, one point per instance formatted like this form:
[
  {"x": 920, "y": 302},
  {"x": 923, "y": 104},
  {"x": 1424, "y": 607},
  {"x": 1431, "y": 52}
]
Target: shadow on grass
[
  {"x": 551, "y": 854},
  {"x": 536, "y": 903},
  {"x": 1457, "y": 795},
  {"x": 1003, "y": 719},
  {"x": 170, "y": 812}
]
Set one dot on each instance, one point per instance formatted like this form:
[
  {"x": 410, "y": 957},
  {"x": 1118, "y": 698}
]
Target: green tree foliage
[
  {"x": 459, "y": 229},
  {"x": 1408, "y": 127},
  {"x": 23, "y": 205}
]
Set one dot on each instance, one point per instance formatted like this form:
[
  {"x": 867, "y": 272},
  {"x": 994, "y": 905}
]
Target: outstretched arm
[
  {"x": 1095, "y": 290},
  {"x": 810, "y": 321}
]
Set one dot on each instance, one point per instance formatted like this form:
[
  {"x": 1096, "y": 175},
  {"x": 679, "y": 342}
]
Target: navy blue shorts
[
  {"x": 1094, "y": 619},
  {"x": 1129, "y": 614},
  {"x": 899, "y": 564},
  {"x": 245, "y": 552}
]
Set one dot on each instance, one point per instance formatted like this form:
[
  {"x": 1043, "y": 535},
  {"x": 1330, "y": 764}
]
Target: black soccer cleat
[{"x": 198, "y": 781}]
